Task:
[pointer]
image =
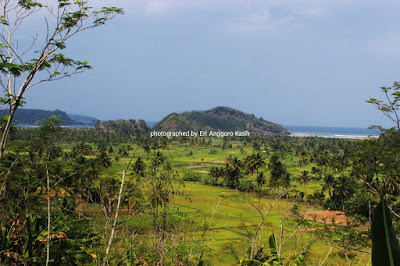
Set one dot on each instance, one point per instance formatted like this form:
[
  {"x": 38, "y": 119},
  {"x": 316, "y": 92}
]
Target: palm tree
[
  {"x": 260, "y": 179},
  {"x": 253, "y": 162},
  {"x": 329, "y": 184},
  {"x": 304, "y": 179},
  {"x": 232, "y": 171}
]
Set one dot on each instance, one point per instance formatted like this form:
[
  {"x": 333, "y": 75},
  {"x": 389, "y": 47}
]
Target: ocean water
[{"x": 332, "y": 132}]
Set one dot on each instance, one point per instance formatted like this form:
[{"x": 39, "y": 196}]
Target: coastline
[
  {"x": 332, "y": 132},
  {"x": 326, "y": 135}
]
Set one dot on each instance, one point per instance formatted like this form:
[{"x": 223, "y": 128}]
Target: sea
[{"x": 332, "y": 132}]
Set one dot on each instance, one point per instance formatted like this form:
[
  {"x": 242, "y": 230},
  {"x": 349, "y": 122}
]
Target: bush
[
  {"x": 246, "y": 186},
  {"x": 192, "y": 177},
  {"x": 206, "y": 180},
  {"x": 317, "y": 198}
]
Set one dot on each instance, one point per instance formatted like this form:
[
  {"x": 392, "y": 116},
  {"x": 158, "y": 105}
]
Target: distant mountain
[
  {"x": 38, "y": 117},
  {"x": 219, "y": 119},
  {"x": 25, "y": 116},
  {"x": 83, "y": 119}
]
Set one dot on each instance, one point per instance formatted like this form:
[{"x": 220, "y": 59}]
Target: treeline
[{"x": 110, "y": 131}]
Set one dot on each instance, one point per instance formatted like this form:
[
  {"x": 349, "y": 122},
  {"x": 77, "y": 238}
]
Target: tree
[
  {"x": 389, "y": 108},
  {"x": 304, "y": 179},
  {"x": 253, "y": 162},
  {"x": 232, "y": 171},
  {"x": 260, "y": 179},
  {"x": 35, "y": 174},
  {"x": 329, "y": 181},
  {"x": 215, "y": 173},
  {"x": 161, "y": 190},
  {"x": 115, "y": 223},
  {"x": 385, "y": 246},
  {"x": 279, "y": 175},
  {"x": 381, "y": 155},
  {"x": 47, "y": 134},
  {"x": 23, "y": 66},
  {"x": 139, "y": 167}
]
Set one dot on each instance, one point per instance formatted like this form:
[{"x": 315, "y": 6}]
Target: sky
[{"x": 292, "y": 62}]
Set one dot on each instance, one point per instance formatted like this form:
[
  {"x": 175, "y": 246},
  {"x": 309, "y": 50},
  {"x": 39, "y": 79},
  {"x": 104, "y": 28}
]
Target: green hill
[
  {"x": 83, "y": 119},
  {"x": 123, "y": 127},
  {"x": 219, "y": 119},
  {"x": 38, "y": 117}
]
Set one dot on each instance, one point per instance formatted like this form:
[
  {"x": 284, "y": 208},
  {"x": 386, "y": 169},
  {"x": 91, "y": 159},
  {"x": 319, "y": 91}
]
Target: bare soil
[{"x": 331, "y": 217}]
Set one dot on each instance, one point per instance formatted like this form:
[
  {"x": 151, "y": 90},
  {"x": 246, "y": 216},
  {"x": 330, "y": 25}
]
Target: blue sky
[{"x": 294, "y": 62}]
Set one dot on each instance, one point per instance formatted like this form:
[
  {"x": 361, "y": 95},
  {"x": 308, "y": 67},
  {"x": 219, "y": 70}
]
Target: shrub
[
  {"x": 192, "y": 177},
  {"x": 246, "y": 186}
]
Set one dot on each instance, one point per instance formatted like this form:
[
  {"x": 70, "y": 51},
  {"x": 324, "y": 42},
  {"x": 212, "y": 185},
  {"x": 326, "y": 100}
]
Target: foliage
[
  {"x": 192, "y": 177},
  {"x": 279, "y": 175},
  {"x": 385, "y": 246},
  {"x": 24, "y": 220},
  {"x": 272, "y": 259},
  {"x": 123, "y": 127},
  {"x": 391, "y": 105}
]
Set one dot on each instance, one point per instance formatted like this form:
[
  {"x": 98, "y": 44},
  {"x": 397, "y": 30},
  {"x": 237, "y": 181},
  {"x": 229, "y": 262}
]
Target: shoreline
[{"x": 332, "y": 135}]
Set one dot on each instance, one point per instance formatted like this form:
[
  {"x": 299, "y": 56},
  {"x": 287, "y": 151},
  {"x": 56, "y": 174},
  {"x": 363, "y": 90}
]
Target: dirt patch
[{"x": 330, "y": 217}]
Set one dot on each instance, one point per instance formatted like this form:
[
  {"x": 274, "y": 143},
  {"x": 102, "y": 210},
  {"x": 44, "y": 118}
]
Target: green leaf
[
  {"x": 201, "y": 263},
  {"x": 385, "y": 247},
  {"x": 298, "y": 261},
  {"x": 272, "y": 247},
  {"x": 3, "y": 20},
  {"x": 29, "y": 4},
  {"x": 234, "y": 253}
]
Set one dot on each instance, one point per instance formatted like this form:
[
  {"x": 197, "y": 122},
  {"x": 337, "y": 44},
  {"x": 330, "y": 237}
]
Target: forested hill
[
  {"x": 123, "y": 127},
  {"x": 83, "y": 119},
  {"x": 219, "y": 119},
  {"x": 37, "y": 117}
]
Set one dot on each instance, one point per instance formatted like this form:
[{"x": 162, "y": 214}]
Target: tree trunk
[
  {"x": 48, "y": 217},
  {"x": 6, "y": 130},
  {"x": 369, "y": 210},
  {"x": 115, "y": 224}
]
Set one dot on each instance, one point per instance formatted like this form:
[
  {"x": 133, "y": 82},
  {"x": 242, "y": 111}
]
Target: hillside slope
[
  {"x": 123, "y": 127},
  {"x": 38, "y": 117},
  {"x": 219, "y": 119}
]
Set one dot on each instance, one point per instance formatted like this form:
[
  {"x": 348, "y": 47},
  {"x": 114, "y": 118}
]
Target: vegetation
[{"x": 123, "y": 127}]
